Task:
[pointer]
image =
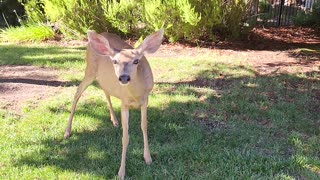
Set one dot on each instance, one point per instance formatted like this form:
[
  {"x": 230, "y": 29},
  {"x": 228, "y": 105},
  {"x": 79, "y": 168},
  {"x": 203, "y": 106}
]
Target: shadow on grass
[
  {"x": 35, "y": 55},
  {"x": 250, "y": 126},
  {"x": 54, "y": 83},
  {"x": 98, "y": 152},
  {"x": 211, "y": 127}
]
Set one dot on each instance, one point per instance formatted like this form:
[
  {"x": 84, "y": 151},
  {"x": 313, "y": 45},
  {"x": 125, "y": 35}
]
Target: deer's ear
[
  {"x": 100, "y": 44},
  {"x": 151, "y": 43}
]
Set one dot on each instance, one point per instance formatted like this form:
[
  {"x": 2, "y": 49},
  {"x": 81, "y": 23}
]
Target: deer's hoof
[
  {"x": 67, "y": 135},
  {"x": 114, "y": 121},
  {"x": 115, "y": 124},
  {"x": 121, "y": 174},
  {"x": 148, "y": 160}
]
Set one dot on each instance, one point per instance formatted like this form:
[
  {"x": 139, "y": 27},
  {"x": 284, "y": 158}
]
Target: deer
[{"x": 122, "y": 72}]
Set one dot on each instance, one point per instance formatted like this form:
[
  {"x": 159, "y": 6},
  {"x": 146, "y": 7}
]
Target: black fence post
[{"x": 280, "y": 13}]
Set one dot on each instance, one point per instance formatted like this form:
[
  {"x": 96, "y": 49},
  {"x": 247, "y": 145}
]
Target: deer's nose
[{"x": 124, "y": 79}]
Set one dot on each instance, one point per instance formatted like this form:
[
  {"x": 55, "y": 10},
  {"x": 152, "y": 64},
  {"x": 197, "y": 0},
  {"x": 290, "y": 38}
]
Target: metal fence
[{"x": 279, "y": 12}]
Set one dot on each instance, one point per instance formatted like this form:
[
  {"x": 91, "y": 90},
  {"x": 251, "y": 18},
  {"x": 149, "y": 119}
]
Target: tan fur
[{"x": 135, "y": 94}]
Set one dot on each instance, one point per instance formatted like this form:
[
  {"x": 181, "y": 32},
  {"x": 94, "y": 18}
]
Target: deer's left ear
[{"x": 151, "y": 43}]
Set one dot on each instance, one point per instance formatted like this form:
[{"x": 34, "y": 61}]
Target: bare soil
[
  {"x": 23, "y": 83},
  {"x": 268, "y": 51}
]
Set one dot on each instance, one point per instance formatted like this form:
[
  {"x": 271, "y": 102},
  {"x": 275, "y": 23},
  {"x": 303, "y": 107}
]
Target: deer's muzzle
[{"x": 124, "y": 79}]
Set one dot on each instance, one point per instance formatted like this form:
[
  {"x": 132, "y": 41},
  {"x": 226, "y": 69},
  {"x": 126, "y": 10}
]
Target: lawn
[{"x": 210, "y": 117}]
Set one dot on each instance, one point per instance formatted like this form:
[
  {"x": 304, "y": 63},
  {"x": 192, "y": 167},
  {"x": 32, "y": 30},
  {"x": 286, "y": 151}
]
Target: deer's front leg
[
  {"x": 125, "y": 139},
  {"x": 87, "y": 80},
  {"x": 112, "y": 114},
  {"x": 144, "y": 127}
]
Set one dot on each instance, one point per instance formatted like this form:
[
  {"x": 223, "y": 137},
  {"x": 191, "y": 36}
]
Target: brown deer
[{"x": 122, "y": 72}]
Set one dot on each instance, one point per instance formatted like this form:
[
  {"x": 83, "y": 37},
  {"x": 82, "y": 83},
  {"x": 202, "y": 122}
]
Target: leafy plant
[
  {"x": 122, "y": 15},
  {"x": 309, "y": 18},
  {"x": 264, "y": 6},
  {"x": 182, "y": 19},
  {"x": 31, "y": 32},
  {"x": 34, "y": 10},
  {"x": 178, "y": 17},
  {"x": 233, "y": 16}
]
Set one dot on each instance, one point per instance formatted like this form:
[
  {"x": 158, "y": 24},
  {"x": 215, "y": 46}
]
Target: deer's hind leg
[
  {"x": 144, "y": 124},
  {"x": 125, "y": 139}
]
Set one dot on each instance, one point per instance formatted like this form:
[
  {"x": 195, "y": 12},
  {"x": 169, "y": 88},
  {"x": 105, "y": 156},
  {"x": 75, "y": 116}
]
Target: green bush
[
  {"x": 233, "y": 20},
  {"x": 211, "y": 17},
  {"x": 303, "y": 19},
  {"x": 75, "y": 17},
  {"x": 182, "y": 19},
  {"x": 27, "y": 33},
  {"x": 316, "y": 13},
  {"x": 123, "y": 16},
  {"x": 264, "y": 6},
  {"x": 34, "y": 10},
  {"x": 309, "y": 18},
  {"x": 178, "y": 17}
]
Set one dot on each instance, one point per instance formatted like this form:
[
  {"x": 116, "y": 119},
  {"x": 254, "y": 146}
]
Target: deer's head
[{"x": 125, "y": 61}]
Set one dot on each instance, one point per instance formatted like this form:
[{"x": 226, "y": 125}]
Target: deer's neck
[{"x": 141, "y": 85}]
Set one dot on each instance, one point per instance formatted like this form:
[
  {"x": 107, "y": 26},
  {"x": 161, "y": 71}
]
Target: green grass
[
  {"x": 208, "y": 119},
  {"x": 27, "y": 33}
]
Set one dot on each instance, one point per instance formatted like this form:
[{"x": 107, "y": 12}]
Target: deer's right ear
[{"x": 100, "y": 44}]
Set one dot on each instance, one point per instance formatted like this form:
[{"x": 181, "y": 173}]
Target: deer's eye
[
  {"x": 114, "y": 61},
  {"x": 136, "y": 61}
]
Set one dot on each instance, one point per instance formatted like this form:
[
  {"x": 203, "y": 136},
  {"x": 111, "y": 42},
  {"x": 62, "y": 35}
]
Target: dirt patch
[
  {"x": 271, "y": 39},
  {"x": 268, "y": 51},
  {"x": 26, "y": 83}
]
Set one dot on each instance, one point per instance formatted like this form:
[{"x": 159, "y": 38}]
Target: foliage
[
  {"x": 10, "y": 12},
  {"x": 309, "y": 18},
  {"x": 34, "y": 10},
  {"x": 264, "y": 6},
  {"x": 233, "y": 18},
  {"x": 316, "y": 13},
  {"x": 182, "y": 19},
  {"x": 75, "y": 17},
  {"x": 303, "y": 19},
  {"x": 31, "y": 33},
  {"x": 122, "y": 15},
  {"x": 178, "y": 17}
]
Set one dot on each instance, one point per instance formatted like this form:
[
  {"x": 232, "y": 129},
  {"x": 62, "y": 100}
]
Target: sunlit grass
[
  {"x": 27, "y": 33},
  {"x": 209, "y": 118}
]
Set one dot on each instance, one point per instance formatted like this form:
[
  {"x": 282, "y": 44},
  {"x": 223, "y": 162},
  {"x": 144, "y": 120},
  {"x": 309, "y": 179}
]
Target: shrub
[
  {"x": 211, "y": 17},
  {"x": 182, "y": 19},
  {"x": 233, "y": 17},
  {"x": 264, "y": 6},
  {"x": 34, "y": 10},
  {"x": 178, "y": 17},
  {"x": 75, "y": 17},
  {"x": 31, "y": 32},
  {"x": 316, "y": 13},
  {"x": 309, "y": 18},
  {"x": 123, "y": 16},
  {"x": 303, "y": 19}
]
